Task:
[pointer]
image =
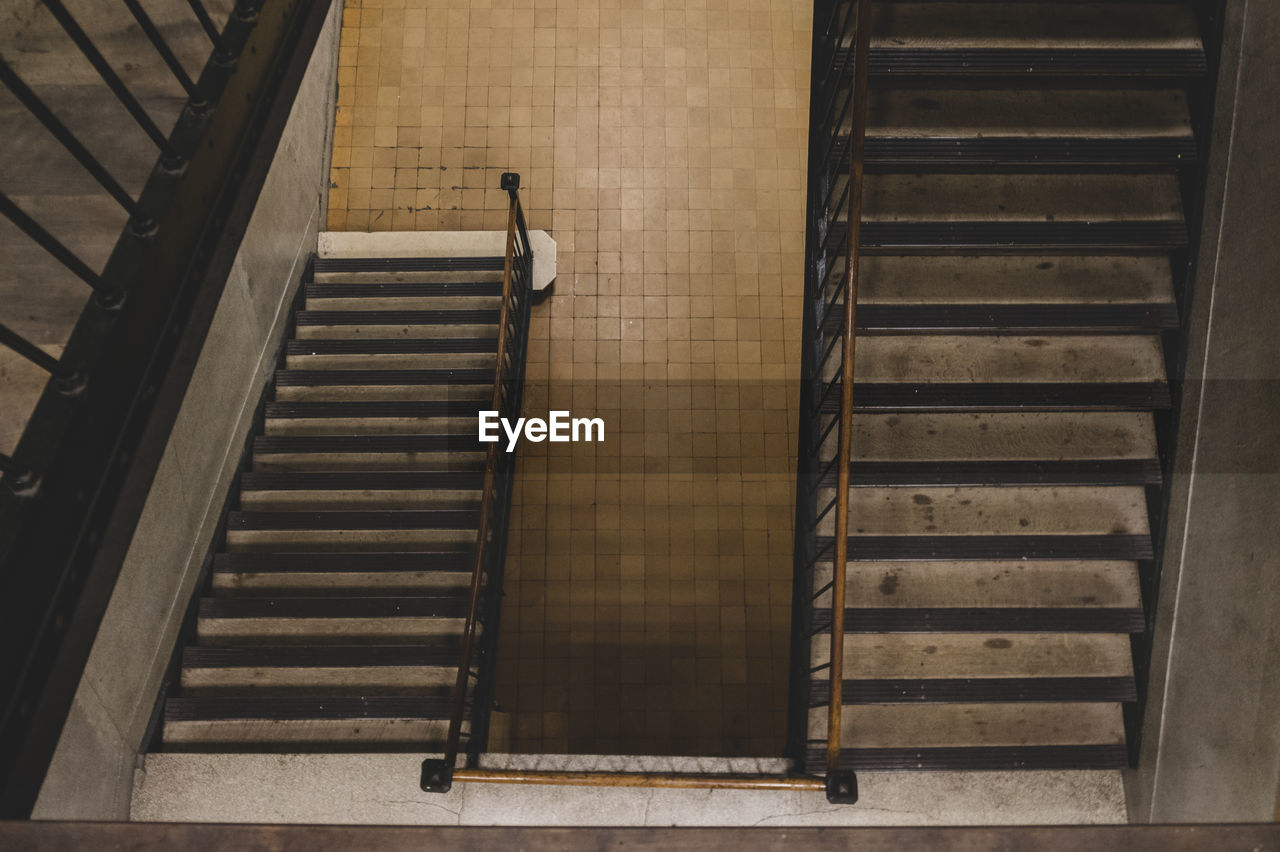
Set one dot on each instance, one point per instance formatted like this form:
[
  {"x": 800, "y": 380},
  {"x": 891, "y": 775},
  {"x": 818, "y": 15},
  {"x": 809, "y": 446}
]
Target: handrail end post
[
  {"x": 437, "y": 775},
  {"x": 842, "y": 787},
  {"x": 510, "y": 181}
]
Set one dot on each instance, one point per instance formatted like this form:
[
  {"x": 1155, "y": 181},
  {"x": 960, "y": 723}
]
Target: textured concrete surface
[
  {"x": 90, "y": 777},
  {"x": 1211, "y": 742},
  {"x": 383, "y": 789}
]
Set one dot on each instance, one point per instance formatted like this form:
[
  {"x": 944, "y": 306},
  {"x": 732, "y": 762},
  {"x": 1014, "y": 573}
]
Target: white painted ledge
[{"x": 440, "y": 244}]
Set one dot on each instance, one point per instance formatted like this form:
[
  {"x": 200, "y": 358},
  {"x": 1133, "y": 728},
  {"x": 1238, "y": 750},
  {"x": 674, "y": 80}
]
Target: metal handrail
[
  {"x": 838, "y": 101},
  {"x": 857, "y": 141},
  {"x": 513, "y": 326}
]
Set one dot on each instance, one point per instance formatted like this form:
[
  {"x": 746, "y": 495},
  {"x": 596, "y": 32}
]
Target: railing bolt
[
  {"x": 25, "y": 484},
  {"x": 110, "y": 299},
  {"x": 70, "y": 384}
]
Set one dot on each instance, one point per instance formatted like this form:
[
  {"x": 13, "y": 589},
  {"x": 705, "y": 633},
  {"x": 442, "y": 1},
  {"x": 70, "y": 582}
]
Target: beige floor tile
[{"x": 662, "y": 143}]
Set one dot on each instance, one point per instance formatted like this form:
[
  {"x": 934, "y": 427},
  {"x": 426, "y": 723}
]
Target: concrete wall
[
  {"x": 92, "y": 772},
  {"x": 1211, "y": 742}
]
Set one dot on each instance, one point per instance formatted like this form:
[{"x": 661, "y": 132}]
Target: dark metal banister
[
  {"x": 838, "y": 112},
  {"x": 857, "y": 141},
  {"x": 74, "y": 487},
  {"x": 491, "y": 532}
]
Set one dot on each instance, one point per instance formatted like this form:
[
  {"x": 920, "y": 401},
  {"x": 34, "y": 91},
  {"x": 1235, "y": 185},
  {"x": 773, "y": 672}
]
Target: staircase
[
  {"x": 1023, "y": 241},
  {"x": 337, "y": 602}
]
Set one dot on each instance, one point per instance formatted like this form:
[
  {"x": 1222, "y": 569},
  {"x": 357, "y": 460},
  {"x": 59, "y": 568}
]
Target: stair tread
[
  {"x": 1003, "y": 512},
  {"x": 1004, "y": 396},
  {"x": 1066, "y": 584},
  {"x": 1027, "y": 114},
  {"x": 376, "y": 519},
  {"x": 1021, "y": 61},
  {"x": 917, "y": 690},
  {"x": 1002, "y": 473},
  {"x": 1034, "y": 437},
  {"x": 888, "y": 152},
  {"x": 432, "y": 704},
  {"x": 979, "y": 318},
  {"x": 313, "y": 378},
  {"x": 436, "y": 443},
  {"x": 1139, "y": 236},
  {"x": 440, "y": 316},
  {"x": 408, "y": 409},
  {"x": 1014, "y": 280},
  {"x": 400, "y": 289},
  {"x": 1106, "y": 546},
  {"x": 1038, "y": 25},
  {"x": 1045, "y": 198},
  {"x": 440, "y": 652},
  {"x": 458, "y": 561},
  {"x": 391, "y": 346},
  {"x": 362, "y": 480},
  {"x": 999, "y": 725},
  {"x": 926, "y": 656},
  {"x": 977, "y": 758},
  {"x": 904, "y": 359},
  {"x": 361, "y": 607},
  {"x": 493, "y": 263}
]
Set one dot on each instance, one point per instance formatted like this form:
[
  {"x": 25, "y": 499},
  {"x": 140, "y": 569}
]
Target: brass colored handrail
[
  {"x": 857, "y": 142},
  {"x": 490, "y": 532}
]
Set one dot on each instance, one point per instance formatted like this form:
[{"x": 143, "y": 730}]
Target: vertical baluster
[
  {"x": 162, "y": 47},
  {"x": 108, "y": 75},
  {"x": 206, "y": 22},
  {"x": 68, "y": 140}
]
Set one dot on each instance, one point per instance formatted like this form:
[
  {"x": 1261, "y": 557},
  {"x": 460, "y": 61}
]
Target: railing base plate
[
  {"x": 842, "y": 787},
  {"x": 437, "y": 776}
]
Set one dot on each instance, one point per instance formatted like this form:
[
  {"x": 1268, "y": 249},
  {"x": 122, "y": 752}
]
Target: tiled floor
[{"x": 662, "y": 144}]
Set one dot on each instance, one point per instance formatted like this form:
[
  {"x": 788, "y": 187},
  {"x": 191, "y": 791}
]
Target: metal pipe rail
[
  {"x": 837, "y": 125},
  {"x": 474, "y": 682},
  {"x": 476, "y": 656},
  {"x": 75, "y": 485}
]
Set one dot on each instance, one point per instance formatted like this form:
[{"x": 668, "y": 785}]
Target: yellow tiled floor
[{"x": 662, "y": 143}]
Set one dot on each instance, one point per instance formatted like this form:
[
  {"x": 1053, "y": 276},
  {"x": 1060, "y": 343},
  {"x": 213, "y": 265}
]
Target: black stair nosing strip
[
  {"x": 975, "y": 619},
  {"x": 410, "y": 409},
  {"x": 383, "y": 378},
  {"x": 394, "y": 289},
  {"x": 884, "y": 61},
  {"x": 1001, "y": 472},
  {"x": 985, "y": 318},
  {"x": 393, "y": 346},
  {"x": 907, "y": 150},
  {"x": 291, "y": 608},
  {"x": 442, "y": 561},
  {"x": 441, "y": 316},
  {"x": 433, "y": 706},
  {"x": 409, "y": 264},
  {"x": 442, "y": 652},
  {"x": 441, "y": 443},
  {"x": 1015, "y": 234},
  {"x": 991, "y": 758},
  {"x": 1005, "y": 396},
  {"x": 1125, "y": 548},
  {"x": 363, "y": 481},
  {"x": 377, "y": 519},
  {"x": 977, "y": 690}
]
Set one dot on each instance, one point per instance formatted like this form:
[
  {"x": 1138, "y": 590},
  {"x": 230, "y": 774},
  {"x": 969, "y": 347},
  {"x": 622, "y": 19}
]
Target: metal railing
[
  {"x": 837, "y": 131},
  {"x": 474, "y": 684},
  {"x": 74, "y": 486}
]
